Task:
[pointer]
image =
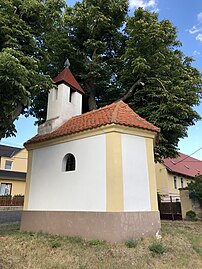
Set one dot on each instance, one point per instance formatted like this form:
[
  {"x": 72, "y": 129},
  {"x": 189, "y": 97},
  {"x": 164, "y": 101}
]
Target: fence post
[{"x": 171, "y": 206}]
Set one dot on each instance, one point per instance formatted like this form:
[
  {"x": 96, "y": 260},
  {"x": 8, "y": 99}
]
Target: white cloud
[
  {"x": 143, "y": 3},
  {"x": 196, "y": 53},
  {"x": 199, "y": 37},
  {"x": 199, "y": 17},
  {"x": 195, "y": 29}
]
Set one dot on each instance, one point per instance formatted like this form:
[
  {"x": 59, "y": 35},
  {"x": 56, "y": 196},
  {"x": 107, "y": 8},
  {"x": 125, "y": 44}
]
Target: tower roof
[
  {"x": 67, "y": 77},
  {"x": 117, "y": 113}
]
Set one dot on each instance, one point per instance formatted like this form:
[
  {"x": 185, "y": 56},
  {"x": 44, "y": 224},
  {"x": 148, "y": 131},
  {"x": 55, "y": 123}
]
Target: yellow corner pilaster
[
  {"x": 28, "y": 178},
  {"x": 152, "y": 174},
  {"x": 114, "y": 176}
]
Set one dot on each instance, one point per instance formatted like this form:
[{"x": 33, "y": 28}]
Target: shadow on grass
[{"x": 9, "y": 228}]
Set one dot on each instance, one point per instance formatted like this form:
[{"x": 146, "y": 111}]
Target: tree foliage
[
  {"x": 25, "y": 27},
  {"x": 195, "y": 189},
  {"x": 97, "y": 45},
  {"x": 113, "y": 56},
  {"x": 171, "y": 85}
]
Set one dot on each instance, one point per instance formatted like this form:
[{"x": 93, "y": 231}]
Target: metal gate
[{"x": 170, "y": 210}]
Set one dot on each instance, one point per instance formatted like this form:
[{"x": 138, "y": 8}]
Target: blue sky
[{"x": 186, "y": 15}]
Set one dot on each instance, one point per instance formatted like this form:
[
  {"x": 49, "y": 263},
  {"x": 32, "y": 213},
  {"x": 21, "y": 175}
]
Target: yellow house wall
[
  {"x": 186, "y": 203},
  {"x": 162, "y": 179},
  {"x": 172, "y": 190},
  {"x": 18, "y": 187},
  {"x": 165, "y": 181},
  {"x": 19, "y": 161}
]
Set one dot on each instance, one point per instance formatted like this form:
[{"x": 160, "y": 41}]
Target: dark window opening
[
  {"x": 175, "y": 182},
  {"x": 70, "y": 95},
  {"x": 69, "y": 162},
  {"x": 182, "y": 182}
]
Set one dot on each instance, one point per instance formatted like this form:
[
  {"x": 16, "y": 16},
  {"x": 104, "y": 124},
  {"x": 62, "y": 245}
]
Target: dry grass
[{"x": 182, "y": 240}]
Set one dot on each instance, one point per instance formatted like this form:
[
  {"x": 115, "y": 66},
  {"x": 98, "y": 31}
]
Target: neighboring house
[
  {"x": 92, "y": 174},
  {"x": 13, "y": 168},
  {"x": 175, "y": 173}
]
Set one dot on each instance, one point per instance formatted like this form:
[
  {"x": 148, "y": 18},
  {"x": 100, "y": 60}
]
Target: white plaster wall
[
  {"x": 80, "y": 190},
  {"x": 135, "y": 174},
  {"x": 60, "y": 106}
]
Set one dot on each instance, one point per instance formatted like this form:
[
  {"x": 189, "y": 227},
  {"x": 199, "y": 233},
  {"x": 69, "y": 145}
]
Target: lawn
[{"x": 180, "y": 247}]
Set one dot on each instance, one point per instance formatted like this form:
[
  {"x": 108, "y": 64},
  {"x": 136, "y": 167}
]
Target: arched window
[{"x": 69, "y": 163}]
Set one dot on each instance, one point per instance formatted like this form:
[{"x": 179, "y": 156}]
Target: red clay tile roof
[
  {"x": 67, "y": 77},
  {"x": 184, "y": 165},
  {"x": 118, "y": 113}
]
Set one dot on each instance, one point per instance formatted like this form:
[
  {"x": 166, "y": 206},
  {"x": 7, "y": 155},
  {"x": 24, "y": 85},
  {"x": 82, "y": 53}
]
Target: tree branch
[{"x": 130, "y": 93}]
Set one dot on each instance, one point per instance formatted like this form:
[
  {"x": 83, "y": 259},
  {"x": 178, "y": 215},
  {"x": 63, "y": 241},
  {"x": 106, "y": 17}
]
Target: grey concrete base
[{"x": 109, "y": 226}]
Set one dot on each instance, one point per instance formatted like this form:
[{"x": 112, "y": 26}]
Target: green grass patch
[
  {"x": 157, "y": 247},
  {"x": 131, "y": 243},
  {"x": 96, "y": 242}
]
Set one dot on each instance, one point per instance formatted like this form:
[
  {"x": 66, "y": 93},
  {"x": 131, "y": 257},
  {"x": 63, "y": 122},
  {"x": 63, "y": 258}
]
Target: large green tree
[
  {"x": 136, "y": 59},
  {"x": 142, "y": 65},
  {"x": 25, "y": 28},
  {"x": 94, "y": 32},
  {"x": 158, "y": 80}
]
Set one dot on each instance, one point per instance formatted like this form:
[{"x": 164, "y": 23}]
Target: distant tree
[{"x": 195, "y": 189}]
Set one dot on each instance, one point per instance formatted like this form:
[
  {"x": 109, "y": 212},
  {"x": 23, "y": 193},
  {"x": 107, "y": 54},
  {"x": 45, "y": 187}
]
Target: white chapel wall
[
  {"x": 135, "y": 174},
  {"x": 80, "y": 190}
]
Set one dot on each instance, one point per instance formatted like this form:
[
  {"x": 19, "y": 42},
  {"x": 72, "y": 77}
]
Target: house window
[
  {"x": 69, "y": 163},
  {"x": 5, "y": 189},
  {"x": 8, "y": 165},
  {"x": 175, "y": 182},
  {"x": 182, "y": 182}
]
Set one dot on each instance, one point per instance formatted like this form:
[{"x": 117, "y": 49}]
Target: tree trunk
[{"x": 92, "y": 95}]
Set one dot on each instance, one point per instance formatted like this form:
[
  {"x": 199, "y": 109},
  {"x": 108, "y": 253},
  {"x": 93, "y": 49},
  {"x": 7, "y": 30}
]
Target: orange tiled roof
[
  {"x": 117, "y": 113},
  {"x": 67, "y": 77}
]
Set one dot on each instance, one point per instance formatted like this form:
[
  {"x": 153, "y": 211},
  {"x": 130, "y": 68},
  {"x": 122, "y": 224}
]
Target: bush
[
  {"x": 131, "y": 243},
  {"x": 157, "y": 247},
  {"x": 191, "y": 215},
  {"x": 195, "y": 190}
]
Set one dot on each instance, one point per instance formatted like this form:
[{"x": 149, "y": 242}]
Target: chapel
[{"x": 91, "y": 175}]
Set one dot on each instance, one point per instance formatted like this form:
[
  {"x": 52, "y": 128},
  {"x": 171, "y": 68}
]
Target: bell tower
[{"x": 64, "y": 102}]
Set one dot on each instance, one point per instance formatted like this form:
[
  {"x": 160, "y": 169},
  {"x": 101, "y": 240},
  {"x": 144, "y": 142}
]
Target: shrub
[
  {"x": 157, "y": 247},
  {"x": 191, "y": 215},
  {"x": 131, "y": 243},
  {"x": 195, "y": 190}
]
